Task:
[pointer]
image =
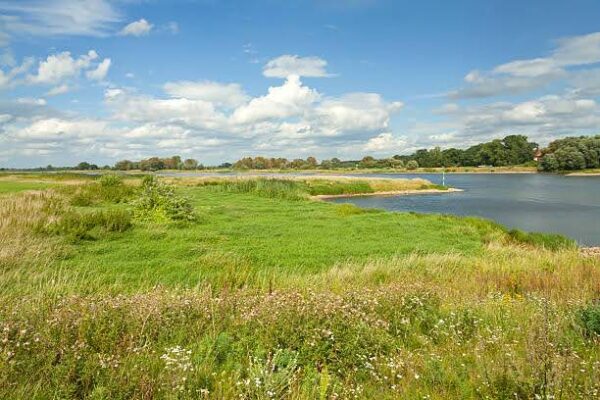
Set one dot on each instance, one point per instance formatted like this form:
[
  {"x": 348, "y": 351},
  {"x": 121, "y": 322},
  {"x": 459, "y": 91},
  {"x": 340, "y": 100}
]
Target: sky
[{"x": 216, "y": 80}]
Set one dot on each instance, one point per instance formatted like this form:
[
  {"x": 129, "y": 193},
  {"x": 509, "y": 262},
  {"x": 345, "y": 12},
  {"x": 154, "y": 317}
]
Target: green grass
[
  {"x": 9, "y": 186},
  {"x": 266, "y": 294},
  {"x": 243, "y": 240}
]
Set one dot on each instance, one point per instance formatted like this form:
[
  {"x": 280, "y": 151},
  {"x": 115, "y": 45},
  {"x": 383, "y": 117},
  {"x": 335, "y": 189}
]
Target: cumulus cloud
[
  {"x": 140, "y": 27},
  {"x": 521, "y": 76},
  {"x": 61, "y": 66},
  {"x": 286, "y": 65},
  {"x": 100, "y": 72},
  {"x": 385, "y": 143},
  {"x": 355, "y": 112},
  {"x": 221, "y": 94},
  {"x": 290, "y": 99}
]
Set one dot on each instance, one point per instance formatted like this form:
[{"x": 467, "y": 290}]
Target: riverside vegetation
[{"x": 142, "y": 288}]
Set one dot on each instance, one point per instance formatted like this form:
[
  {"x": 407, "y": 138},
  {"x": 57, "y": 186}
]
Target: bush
[
  {"x": 159, "y": 202},
  {"x": 589, "y": 318},
  {"x": 109, "y": 188}
]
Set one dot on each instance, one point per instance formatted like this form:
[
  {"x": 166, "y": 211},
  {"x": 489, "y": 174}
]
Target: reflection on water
[{"x": 532, "y": 202}]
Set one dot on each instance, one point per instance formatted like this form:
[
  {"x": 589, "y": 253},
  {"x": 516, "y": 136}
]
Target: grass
[
  {"x": 7, "y": 186},
  {"x": 268, "y": 295}
]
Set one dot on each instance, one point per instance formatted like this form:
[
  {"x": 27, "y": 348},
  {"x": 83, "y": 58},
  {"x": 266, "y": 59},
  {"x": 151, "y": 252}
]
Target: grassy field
[{"x": 246, "y": 288}]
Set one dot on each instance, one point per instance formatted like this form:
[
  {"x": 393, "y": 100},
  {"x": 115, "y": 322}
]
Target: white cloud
[
  {"x": 520, "y": 76},
  {"x": 290, "y": 99},
  {"x": 100, "y": 72},
  {"x": 137, "y": 28},
  {"x": 286, "y": 65},
  {"x": 58, "y": 17},
  {"x": 61, "y": 66},
  {"x": 31, "y": 101},
  {"x": 57, "y": 90},
  {"x": 385, "y": 143},
  {"x": 355, "y": 112},
  {"x": 221, "y": 94},
  {"x": 9, "y": 78},
  {"x": 60, "y": 129}
]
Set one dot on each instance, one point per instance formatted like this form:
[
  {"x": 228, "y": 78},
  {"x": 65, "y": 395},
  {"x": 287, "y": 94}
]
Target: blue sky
[{"x": 103, "y": 80}]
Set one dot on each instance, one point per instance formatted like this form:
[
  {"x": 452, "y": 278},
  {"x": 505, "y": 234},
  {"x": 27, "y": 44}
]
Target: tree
[
  {"x": 569, "y": 158},
  {"x": 412, "y": 165},
  {"x": 190, "y": 163},
  {"x": 83, "y": 166},
  {"x": 549, "y": 163},
  {"x": 367, "y": 162},
  {"x": 312, "y": 162}
]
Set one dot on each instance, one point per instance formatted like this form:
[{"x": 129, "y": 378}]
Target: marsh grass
[{"x": 271, "y": 296}]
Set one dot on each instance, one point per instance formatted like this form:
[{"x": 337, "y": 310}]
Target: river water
[{"x": 532, "y": 202}]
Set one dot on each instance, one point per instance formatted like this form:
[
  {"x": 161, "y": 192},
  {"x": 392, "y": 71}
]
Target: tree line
[
  {"x": 512, "y": 150},
  {"x": 572, "y": 153}
]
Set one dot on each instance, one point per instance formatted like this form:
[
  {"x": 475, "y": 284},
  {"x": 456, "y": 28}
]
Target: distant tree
[
  {"x": 311, "y": 162},
  {"x": 569, "y": 158},
  {"x": 412, "y": 165},
  {"x": 124, "y": 165},
  {"x": 549, "y": 163},
  {"x": 395, "y": 163},
  {"x": 83, "y": 166},
  {"x": 190, "y": 163},
  {"x": 367, "y": 162}
]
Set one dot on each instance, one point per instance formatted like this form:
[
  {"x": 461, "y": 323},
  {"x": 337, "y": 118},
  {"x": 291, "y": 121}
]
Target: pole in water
[{"x": 444, "y": 177}]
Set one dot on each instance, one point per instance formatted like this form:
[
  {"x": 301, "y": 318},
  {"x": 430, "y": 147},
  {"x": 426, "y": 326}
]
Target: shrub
[
  {"x": 159, "y": 202},
  {"x": 589, "y": 318},
  {"x": 111, "y": 180},
  {"x": 109, "y": 188}
]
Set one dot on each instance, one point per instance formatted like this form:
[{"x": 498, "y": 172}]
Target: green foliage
[
  {"x": 159, "y": 202},
  {"x": 349, "y": 209},
  {"x": 572, "y": 153},
  {"x": 273, "y": 188},
  {"x": 551, "y": 241},
  {"x": 412, "y": 165},
  {"x": 331, "y": 187},
  {"x": 589, "y": 318},
  {"x": 85, "y": 225},
  {"x": 109, "y": 188}
]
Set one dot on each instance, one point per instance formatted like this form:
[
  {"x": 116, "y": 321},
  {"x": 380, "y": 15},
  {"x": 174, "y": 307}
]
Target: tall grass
[{"x": 262, "y": 300}]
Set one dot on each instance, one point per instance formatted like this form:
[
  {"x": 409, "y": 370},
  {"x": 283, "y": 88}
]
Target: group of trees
[
  {"x": 157, "y": 163},
  {"x": 571, "y": 153},
  {"x": 275, "y": 163},
  {"x": 512, "y": 150}
]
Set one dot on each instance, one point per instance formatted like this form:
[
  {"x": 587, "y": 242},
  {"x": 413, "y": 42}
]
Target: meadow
[{"x": 139, "y": 287}]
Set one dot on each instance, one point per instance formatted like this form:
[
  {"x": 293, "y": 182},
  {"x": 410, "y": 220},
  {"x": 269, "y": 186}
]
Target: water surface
[{"x": 532, "y": 202}]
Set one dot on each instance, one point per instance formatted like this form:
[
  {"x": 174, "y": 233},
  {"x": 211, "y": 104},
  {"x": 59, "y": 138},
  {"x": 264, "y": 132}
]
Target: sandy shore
[
  {"x": 583, "y": 174},
  {"x": 391, "y": 193},
  {"x": 590, "y": 251}
]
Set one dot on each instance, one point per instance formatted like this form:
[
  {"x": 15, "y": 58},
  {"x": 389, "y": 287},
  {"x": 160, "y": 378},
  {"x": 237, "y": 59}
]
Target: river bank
[{"x": 387, "y": 193}]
